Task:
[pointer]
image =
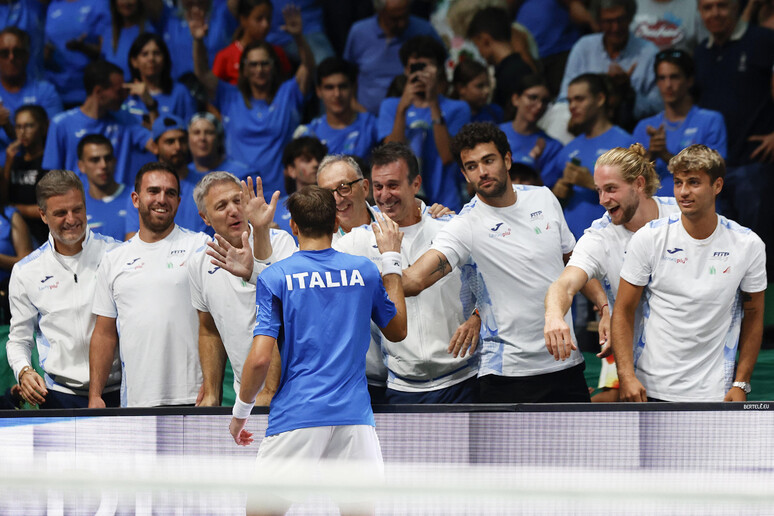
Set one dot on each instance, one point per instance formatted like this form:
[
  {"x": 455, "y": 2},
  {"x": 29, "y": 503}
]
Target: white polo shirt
[{"x": 692, "y": 322}]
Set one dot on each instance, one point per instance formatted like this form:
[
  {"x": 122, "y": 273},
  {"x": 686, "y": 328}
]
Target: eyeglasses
[
  {"x": 344, "y": 189},
  {"x": 673, "y": 53},
  {"x": 19, "y": 52}
]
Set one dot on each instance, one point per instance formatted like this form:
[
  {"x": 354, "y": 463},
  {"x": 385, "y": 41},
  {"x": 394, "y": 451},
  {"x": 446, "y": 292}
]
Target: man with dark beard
[
  {"x": 144, "y": 284},
  {"x": 626, "y": 181},
  {"x": 513, "y": 242}
]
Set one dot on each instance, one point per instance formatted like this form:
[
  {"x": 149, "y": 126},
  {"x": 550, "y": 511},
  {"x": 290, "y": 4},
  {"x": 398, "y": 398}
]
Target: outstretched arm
[
  {"x": 558, "y": 301},
  {"x": 431, "y": 267}
]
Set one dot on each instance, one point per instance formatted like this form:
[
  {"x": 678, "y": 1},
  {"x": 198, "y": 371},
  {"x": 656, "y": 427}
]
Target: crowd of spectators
[{"x": 267, "y": 89}]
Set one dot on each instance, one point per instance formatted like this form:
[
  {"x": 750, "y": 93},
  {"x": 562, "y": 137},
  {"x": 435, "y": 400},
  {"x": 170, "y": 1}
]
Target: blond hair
[
  {"x": 633, "y": 164},
  {"x": 699, "y": 157}
]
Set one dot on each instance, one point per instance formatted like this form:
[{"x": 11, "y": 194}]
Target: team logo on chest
[
  {"x": 499, "y": 230},
  {"x": 676, "y": 255},
  {"x": 720, "y": 256}
]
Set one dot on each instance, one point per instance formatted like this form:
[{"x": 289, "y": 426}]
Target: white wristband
[
  {"x": 241, "y": 409},
  {"x": 392, "y": 263}
]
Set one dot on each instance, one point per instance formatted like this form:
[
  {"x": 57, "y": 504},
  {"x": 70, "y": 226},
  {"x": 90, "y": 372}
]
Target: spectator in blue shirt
[
  {"x": 426, "y": 120},
  {"x": 529, "y": 144},
  {"x": 106, "y": 199},
  {"x": 342, "y": 129},
  {"x": 128, "y": 19},
  {"x": 152, "y": 92},
  {"x": 27, "y": 15},
  {"x": 373, "y": 45},
  {"x": 261, "y": 112},
  {"x": 627, "y": 59},
  {"x": 301, "y": 158},
  {"x": 472, "y": 84},
  {"x": 587, "y": 95},
  {"x": 682, "y": 123},
  {"x": 205, "y": 139}
]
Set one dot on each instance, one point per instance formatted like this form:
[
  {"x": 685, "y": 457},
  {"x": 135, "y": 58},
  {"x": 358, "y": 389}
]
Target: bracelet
[
  {"x": 602, "y": 307},
  {"x": 24, "y": 370},
  {"x": 241, "y": 409},
  {"x": 392, "y": 263}
]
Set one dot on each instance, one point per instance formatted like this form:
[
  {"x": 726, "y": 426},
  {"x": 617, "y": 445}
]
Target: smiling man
[
  {"x": 513, "y": 242},
  {"x": 704, "y": 280},
  {"x": 51, "y": 292},
  {"x": 342, "y": 175},
  {"x": 626, "y": 182},
  {"x": 420, "y": 369},
  {"x": 143, "y": 284},
  {"x": 225, "y": 303}
]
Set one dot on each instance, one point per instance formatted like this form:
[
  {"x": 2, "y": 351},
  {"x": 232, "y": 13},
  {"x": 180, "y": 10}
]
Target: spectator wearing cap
[
  {"x": 373, "y": 45},
  {"x": 101, "y": 114},
  {"x": 205, "y": 140},
  {"x": 682, "y": 123},
  {"x": 170, "y": 145}
]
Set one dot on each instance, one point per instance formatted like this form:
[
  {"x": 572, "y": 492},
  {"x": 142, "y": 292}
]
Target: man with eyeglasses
[
  {"x": 627, "y": 59},
  {"x": 682, "y": 123},
  {"x": 342, "y": 175},
  {"x": 16, "y": 89}
]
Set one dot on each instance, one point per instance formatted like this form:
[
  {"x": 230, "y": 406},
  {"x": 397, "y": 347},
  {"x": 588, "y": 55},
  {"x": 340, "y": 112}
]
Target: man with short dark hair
[
  {"x": 300, "y": 158},
  {"x": 490, "y": 31},
  {"x": 101, "y": 114},
  {"x": 426, "y": 120},
  {"x": 588, "y": 98},
  {"x": 322, "y": 409},
  {"x": 704, "y": 277},
  {"x": 682, "y": 123},
  {"x": 143, "y": 285},
  {"x": 342, "y": 129},
  {"x": 505, "y": 224},
  {"x": 106, "y": 200},
  {"x": 51, "y": 293},
  {"x": 420, "y": 369}
]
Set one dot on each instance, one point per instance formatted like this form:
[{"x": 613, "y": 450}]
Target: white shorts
[{"x": 307, "y": 451}]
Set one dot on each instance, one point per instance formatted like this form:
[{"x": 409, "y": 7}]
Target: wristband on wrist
[
  {"x": 392, "y": 263},
  {"x": 241, "y": 409}
]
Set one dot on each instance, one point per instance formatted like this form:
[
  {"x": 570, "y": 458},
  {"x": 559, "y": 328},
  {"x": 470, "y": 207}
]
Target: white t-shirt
[
  {"x": 145, "y": 286},
  {"x": 692, "y": 287},
  {"x": 231, "y": 300},
  {"x": 511, "y": 256}
]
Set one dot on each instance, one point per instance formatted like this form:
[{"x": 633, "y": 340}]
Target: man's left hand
[
  {"x": 439, "y": 210},
  {"x": 241, "y": 436},
  {"x": 764, "y": 153},
  {"x": 735, "y": 394},
  {"x": 237, "y": 261}
]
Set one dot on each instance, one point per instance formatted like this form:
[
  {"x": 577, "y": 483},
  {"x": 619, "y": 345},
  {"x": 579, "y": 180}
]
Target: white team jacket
[
  {"x": 420, "y": 362},
  {"x": 48, "y": 299}
]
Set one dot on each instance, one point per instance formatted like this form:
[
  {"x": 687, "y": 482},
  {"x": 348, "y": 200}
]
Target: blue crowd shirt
[
  {"x": 178, "y": 102},
  {"x": 66, "y": 21},
  {"x": 120, "y": 55},
  {"x": 237, "y": 168},
  {"x": 221, "y": 25},
  {"x": 257, "y": 135},
  {"x": 583, "y": 207},
  {"x": 490, "y": 113},
  {"x": 39, "y": 92},
  {"x": 107, "y": 216},
  {"x": 282, "y": 217},
  {"x": 440, "y": 183},
  {"x": 124, "y": 132},
  {"x": 358, "y": 138},
  {"x": 27, "y": 15},
  {"x": 311, "y": 18},
  {"x": 550, "y": 25},
  {"x": 323, "y": 380},
  {"x": 6, "y": 239},
  {"x": 521, "y": 145},
  {"x": 376, "y": 56},
  {"x": 589, "y": 56},
  {"x": 700, "y": 126}
]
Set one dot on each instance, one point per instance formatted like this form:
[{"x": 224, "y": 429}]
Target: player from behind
[{"x": 316, "y": 306}]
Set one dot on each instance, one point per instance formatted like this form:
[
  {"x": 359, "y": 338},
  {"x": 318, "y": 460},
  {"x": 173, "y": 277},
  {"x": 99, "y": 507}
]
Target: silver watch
[{"x": 745, "y": 386}]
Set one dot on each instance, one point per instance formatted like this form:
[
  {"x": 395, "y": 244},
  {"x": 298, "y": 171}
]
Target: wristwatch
[
  {"x": 439, "y": 121},
  {"x": 745, "y": 386}
]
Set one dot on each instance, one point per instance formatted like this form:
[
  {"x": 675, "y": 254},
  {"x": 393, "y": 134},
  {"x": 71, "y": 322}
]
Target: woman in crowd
[
  {"x": 128, "y": 19},
  {"x": 152, "y": 91},
  {"x": 23, "y": 170},
  {"x": 472, "y": 84},
  {"x": 529, "y": 144},
  {"x": 205, "y": 139},
  {"x": 261, "y": 112}
]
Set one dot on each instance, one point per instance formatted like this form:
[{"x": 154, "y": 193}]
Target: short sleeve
[
  {"x": 382, "y": 308},
  {"x": 754, "y": 279},
  {"x": 193, "y": 267},
  {"x": 53, "y": 155},
  {"x": 268, "y": 316},
  {"x": 637, "y": 266},
  {"x": 567, "y": 239},
  {"x": 104, "y": 304},
  {"x": 455, "y": 241},
  {"x": 588, "y": 250}
]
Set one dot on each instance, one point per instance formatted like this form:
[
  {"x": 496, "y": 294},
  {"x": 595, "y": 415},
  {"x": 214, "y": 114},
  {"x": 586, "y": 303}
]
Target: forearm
[
  {"x": 19, "y": 354},
  {"x": 750, "y": 337},
  {"x": 623, "y": 336},
  {"x": 272, "y": 380},
  {"x": 396, "y": 330},
  {"x": 594, "y": 292},
  {"x": 398, "y": 133},
  {"x": 101, "y": 352},
  {"x": 306, "y": 69},
  {"x": 262, "y": 249},
  {"x": 558, "y": 300},
  {"x": 212, "y": 356},
  {"x": 256, "y": 367},
  {"x": 202, "y": 67},
  {"x": 425, "y": 272},
  {"x": 7, "y": 261},
  {"x": 28, "y": 211},
  {"x": 441, "y": 135}
]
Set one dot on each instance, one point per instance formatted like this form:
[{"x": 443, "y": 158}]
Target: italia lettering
[{"x": 344, "y": 278}]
